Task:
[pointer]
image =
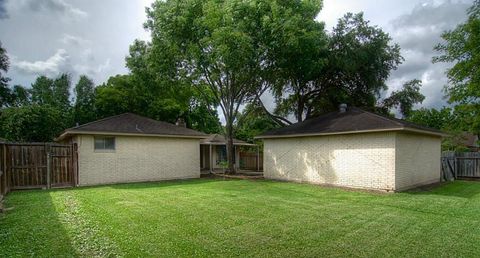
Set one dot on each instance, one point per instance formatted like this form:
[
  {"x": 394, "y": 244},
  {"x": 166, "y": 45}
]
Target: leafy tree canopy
[
  {"x": 5, "y": 93},
  {"x": 461, "y": 49},
  {"x": 226, "y": 49},
  {"x": 405, "y": 99},
  {"x": 84, "y": 107},
  {"x": 353, "y": 70},
  {"x": 31, "y": 123}
]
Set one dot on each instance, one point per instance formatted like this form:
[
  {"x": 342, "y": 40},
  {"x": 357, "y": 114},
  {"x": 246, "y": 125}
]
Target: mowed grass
[{"x": 208, "y": 217}]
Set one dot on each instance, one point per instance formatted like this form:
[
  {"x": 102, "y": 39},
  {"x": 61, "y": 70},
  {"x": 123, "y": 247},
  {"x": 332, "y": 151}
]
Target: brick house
[
  {"x": 354, "y": 148},
  {"x": 132, "y": 148}
]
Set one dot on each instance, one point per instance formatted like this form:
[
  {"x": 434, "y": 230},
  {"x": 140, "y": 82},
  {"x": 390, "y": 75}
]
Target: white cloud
[
  {"x": 54, "y": 65},
  {"x": 417, "y": 32},
  {"x": 53, "y": 6},
  {"x": 68, "y": 39}
]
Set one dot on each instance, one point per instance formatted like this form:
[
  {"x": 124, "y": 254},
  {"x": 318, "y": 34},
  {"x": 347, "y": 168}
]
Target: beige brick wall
[
  {"x": 417, "y": 161},
  {"x": 138, "y": 159},
  {"x": 355, "y": 160}
]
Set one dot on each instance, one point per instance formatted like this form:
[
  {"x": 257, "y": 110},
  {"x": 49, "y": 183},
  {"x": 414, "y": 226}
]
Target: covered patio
[{"x": 213, "y": 155}]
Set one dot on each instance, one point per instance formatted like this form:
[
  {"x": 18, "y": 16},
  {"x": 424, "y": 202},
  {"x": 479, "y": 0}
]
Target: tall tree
[
  {"x": 84, "y": 107},
  {"x": 42, "y": 91},
  {"x": 115, "y": 97},
  {"x": 299, "y": 50},
  {"x": 441, "y": 119},
  {"x": 461, "y": 49},
  {"x": 5, "y": 93},
  {"x": 221, "y": 46},
  {"x": 54, "y": 92},
  {"x": 358, "y": 62},
  {"x": 253, "y": 121},
  {"x": 61, "y": 92},
  {"x": 31, "y": 123},
  {"x": 405, "y": 98},
  {"x": 21, "y": 96}
]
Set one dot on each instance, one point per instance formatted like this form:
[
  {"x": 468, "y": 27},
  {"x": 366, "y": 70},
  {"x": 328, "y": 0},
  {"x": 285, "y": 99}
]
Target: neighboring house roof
[
  {"x": 217, "y": 139},
  {"x": 470, "y": 140},
  {"x": 353, "y": 120},
  {"x": 131, "y": 124}
]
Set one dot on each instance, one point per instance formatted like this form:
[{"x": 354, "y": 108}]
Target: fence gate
[
  {"x": 33, "y": 165},
  {"x": 460, "y": 165}
]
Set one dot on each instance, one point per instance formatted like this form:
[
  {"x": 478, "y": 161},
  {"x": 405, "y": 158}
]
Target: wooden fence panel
[
  {"x": 32, "y": 165},
  {"x": 466, "y": 165},
  {"x": 248, "y": 161},
  {"x": 3, "y": 172},
  {"x": 62, "y": 166}
]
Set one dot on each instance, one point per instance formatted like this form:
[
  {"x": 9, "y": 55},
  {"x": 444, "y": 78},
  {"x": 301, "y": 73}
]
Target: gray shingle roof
[
  {"x": 217, "y": 139},
  {"x": 352, "y": 121},
  {"x": 129, "y": 123}
]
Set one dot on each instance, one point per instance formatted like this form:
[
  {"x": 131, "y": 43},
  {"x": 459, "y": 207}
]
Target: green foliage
[
  {"x": 42, "y": 91},
  {"x": 443, "y": 119},
  {"x": 446, "y": 119},
  {"x": 5, "y": 93},
  {"x": 228, "y": 49},
  {"x": 405, "y": 99},
  {"x": 461, "y": 49},
  {"x": 61, "y": 92},
  {"x": 21, "y": 96},
  {"x": 31, "y": 123},
  {"x": 84, "y": 108},
  {"x": 252, "y": 122},
  {"x": 353, "y": 70},
  {"x": 53, "y": 92},
  {"x": 115, "y": 96}
]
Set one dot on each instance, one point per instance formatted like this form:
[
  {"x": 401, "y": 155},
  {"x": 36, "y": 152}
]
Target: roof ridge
[
  {"x": 99, "y": 120},
  {"x": 158, "y": 121},
  {"x": 382, "y": 117}
]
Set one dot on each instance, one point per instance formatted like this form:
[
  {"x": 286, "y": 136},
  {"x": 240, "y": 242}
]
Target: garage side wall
[
  {"x": 138, "y": 159},
  {"x": 417, "y": 161},
  {"x": 356, "y": 160}
]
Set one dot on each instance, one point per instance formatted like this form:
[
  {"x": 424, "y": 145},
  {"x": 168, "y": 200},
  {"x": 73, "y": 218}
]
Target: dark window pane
[
  {"x": 109, "y": 143},
  {"x": 104, "y": 143},
  {"x": 99, "y": 143}
]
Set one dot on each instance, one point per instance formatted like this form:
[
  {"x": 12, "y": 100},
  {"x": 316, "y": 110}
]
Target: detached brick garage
[
  {"x": 354, "y": 148},
  {"x": 132, "y": 148}
]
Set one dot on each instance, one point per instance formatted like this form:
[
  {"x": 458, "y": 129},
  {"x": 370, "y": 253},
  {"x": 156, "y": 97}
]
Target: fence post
[
  {"x": 5, "y": 172},
  {"x": 258, "y": 158},
  {"x": 49, "y": 164},
  {"x": 455, "y": 167}
]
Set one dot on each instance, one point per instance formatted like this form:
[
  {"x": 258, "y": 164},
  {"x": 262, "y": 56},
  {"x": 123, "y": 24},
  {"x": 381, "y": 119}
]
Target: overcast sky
[{"x": 92, "y": 37}]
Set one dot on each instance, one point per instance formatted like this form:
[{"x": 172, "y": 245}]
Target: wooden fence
[
  {"x": 251, "y": 161},
  {"x": 39, "y": 165},
  {"x": 3, "y": 173},
  {"x": 460, "y": 165}
]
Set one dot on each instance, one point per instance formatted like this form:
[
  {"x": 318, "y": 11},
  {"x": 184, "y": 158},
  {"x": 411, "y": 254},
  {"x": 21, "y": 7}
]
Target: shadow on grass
[
  {"x": 158, "y": 184},
  {"x": 459, "y": 188},
  {"x": 32, "y": 227}
]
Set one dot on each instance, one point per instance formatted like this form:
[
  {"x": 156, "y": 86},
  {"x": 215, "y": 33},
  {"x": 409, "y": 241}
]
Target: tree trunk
[
  {"x": 300, "y": 107},
  {"x": 230, "y": 147}
]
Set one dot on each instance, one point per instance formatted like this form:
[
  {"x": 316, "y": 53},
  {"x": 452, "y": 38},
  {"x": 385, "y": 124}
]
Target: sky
[{"x": 48, "y": 37}]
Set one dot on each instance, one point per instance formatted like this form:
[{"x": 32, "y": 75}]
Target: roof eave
[
  {"x": 439, "y": 134},
  {"x": 73, "y": 132},
  {"x": 221, "y": 143}
]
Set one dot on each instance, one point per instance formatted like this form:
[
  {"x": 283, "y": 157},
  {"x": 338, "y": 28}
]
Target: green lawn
[{"x": 241, "y": 218}]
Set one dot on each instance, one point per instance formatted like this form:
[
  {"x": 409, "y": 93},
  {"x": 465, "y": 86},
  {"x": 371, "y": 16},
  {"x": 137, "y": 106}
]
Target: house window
[
  {"x": 103, "y": 143},
  {"x": 222, "y": 154}
]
